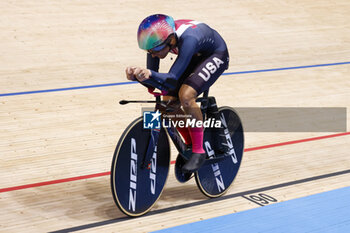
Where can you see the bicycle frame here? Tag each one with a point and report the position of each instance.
(172, 132)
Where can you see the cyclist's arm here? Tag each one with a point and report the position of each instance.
(186, 51)
(152, 62)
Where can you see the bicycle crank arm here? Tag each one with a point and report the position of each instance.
(217, 159)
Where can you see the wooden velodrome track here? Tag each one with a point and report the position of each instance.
(56, 146)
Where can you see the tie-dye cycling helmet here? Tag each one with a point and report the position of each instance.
(154, 31)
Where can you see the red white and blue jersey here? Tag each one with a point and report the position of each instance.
(193, 38)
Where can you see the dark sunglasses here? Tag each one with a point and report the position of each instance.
(158, 48)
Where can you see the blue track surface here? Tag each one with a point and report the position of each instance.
(324, 212)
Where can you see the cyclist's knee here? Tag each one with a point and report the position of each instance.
(187, 96)
(187, 100)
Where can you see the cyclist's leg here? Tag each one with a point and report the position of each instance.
(187, 97)
(204, 75)
(174, 94)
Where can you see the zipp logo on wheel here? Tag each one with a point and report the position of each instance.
(153, 169)
(133, 176)
(232, 151)
(215, 167)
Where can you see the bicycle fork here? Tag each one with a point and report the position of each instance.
(149, 159)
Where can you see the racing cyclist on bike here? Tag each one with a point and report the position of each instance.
(202, 56)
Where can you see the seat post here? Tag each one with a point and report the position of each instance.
(204, 103)
(205, 94)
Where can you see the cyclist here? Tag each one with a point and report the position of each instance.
(202, 56)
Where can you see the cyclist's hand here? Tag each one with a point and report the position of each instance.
(142, 74)
(130, 73)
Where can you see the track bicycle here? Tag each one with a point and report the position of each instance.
(141, 159)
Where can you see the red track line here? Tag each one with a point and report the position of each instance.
(172, 162)
(296, 141)
(54, 182)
